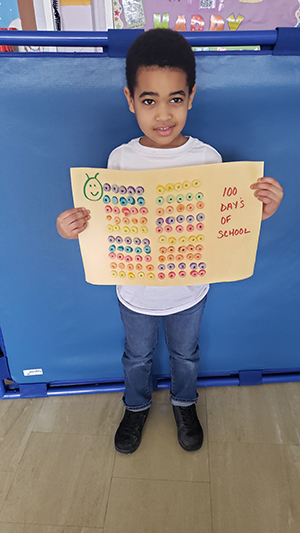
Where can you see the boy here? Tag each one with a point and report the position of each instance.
(160, 72)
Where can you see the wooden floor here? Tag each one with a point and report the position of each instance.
(60, 473)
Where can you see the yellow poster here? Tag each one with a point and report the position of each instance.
(75, 2)
(178, 226)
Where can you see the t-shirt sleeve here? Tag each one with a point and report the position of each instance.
(113, 161)
(212, 155)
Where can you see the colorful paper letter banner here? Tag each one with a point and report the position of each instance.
(178, 226)
(206, 15)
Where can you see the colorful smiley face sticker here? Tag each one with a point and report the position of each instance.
(93, 189)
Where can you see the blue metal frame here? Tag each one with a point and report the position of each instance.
(283, 41)
(10, 390)
(115, 43)
(108, 39)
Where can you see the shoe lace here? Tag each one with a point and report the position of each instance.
(133, 422)
(189, 417)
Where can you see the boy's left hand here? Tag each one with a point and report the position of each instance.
(270, 192)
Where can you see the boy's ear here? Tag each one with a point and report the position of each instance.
(191, 97)
(129, 99)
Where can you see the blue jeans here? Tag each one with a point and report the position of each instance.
(181, 334)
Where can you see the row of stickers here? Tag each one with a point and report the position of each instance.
(207, 15)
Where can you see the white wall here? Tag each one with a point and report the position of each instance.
(95, 17)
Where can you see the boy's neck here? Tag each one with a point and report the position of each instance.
(179, 141)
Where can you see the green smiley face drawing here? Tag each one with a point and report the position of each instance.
(93, 189)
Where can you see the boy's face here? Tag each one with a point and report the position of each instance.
(160, 102)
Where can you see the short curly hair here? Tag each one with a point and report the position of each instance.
(162, 48)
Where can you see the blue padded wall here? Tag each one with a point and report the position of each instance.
(60, 111)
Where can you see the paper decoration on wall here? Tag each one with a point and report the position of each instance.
(134, 13)
(179, 226)
(75, 2)
(118, 24)
(297, 14)
(207, 15)
(9, 12)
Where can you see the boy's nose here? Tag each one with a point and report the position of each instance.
(163, 113)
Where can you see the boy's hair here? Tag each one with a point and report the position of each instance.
(162, 48)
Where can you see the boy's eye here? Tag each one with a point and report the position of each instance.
(176, 100)
(148, 101)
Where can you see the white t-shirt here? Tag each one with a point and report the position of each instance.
(135, 156)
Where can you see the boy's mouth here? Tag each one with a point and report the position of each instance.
(164, 130)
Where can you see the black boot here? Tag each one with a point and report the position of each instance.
(190, 434)
(129, 432)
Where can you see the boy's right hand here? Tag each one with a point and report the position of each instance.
(72, 222)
